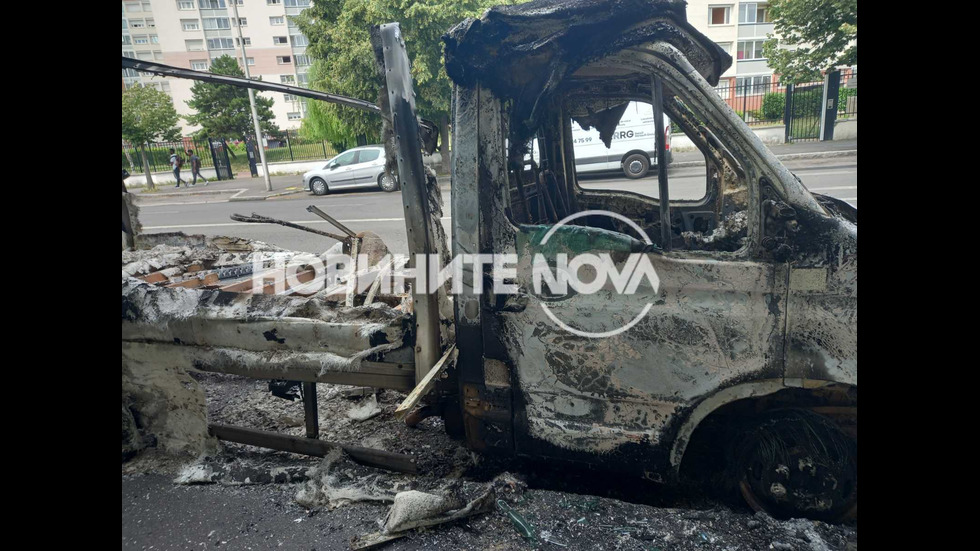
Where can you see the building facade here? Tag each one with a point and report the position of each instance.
(740, 28)
(190, 33)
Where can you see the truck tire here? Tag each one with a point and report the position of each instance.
(636, 165)
(796, 463)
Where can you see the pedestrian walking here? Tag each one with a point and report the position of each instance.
(195, 167)
(176, 161)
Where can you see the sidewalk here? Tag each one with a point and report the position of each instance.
(239, 189)
(804, 150)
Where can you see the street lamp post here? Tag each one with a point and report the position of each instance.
(251, 99)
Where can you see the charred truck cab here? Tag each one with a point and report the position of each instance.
(754, 322)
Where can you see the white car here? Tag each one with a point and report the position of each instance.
(360, 167)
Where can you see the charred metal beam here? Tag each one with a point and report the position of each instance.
(332, 220)
(658, 124)
(311, 415)
(259, 219)
(398, 462)
(178, 72)
(412, 177)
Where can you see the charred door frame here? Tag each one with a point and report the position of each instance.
(481, 225)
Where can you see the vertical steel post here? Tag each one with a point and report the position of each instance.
(289, 146)
(415, 196)
(788, 113)
(251, 101)
(658, 123)
(310, 413)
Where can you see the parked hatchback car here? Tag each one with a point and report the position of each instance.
(355, 168)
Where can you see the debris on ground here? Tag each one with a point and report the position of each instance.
(366, 409)
(333, 490)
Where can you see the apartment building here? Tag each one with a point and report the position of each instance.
(190, 33)
(740, 28)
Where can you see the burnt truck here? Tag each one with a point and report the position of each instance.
(741, 361)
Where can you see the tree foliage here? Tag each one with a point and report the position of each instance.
(344, 62)
(815, 36)
(223, 110)
(148, 115)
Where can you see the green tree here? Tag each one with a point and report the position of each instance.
(148, 115)
(223, 110)
(344, 61)
(820, 35)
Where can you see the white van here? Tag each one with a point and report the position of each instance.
(632, 150)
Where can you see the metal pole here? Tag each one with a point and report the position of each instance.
(251, 101)
(310, 410)
(658, 123)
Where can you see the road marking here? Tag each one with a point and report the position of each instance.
(229, 224)
(831, 188)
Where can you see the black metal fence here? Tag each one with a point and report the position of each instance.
(847, 105)
(158, 154)
(294, 148)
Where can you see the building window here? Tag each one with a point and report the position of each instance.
(302, 60)
(137, 24)
(719, 15)
(127, 40)
(154, 39)
(303, 79)
(294, 116)
(147, 7)
(287, 79)
(727, 46)
(250, 61)
(142, 39)
(750, 49)
(284, 59)
(240, 22)
(288, 97)
(298, 40)
(199, 65)
(220, 44)
(277, 20)
(185, 5)
(212, 23)
(279, 40)
(212, 4)
(190, 24)
(128, 53)
(158, 55)
(125, 26)
(146, 56)
(151, 23)
(133, 7)
(194, 45)
(752, 86)
(753, 13)
(273, 2)
(248, 41)
(297, 3)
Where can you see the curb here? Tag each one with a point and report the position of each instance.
(186, 193)
(785, 157)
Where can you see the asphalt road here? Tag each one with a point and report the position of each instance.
(382, 212)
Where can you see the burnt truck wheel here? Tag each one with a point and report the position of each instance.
(636, 166)
(387, 183)
(318, 186)
(796, 463)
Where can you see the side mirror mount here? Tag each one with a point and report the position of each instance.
(332, 165)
